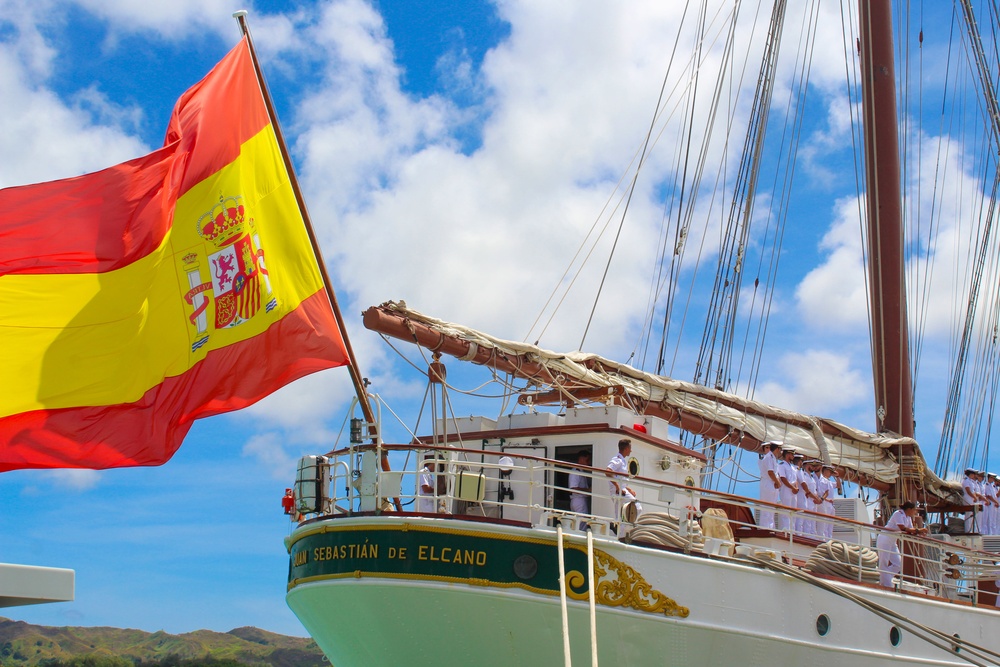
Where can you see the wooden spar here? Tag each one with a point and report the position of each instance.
(359, 386)
(890, 337)
(378, 319)
(571, 396)
(384, 321)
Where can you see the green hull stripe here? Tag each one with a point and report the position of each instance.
(417, 552)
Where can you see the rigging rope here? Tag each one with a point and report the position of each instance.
(591, 594)
(938, 638)
(567, 656)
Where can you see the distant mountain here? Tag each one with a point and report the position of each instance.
(22, 644)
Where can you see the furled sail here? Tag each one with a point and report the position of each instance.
(715, 414)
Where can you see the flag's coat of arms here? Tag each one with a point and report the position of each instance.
(228, 269)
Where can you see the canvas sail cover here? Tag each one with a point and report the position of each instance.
(872, 455)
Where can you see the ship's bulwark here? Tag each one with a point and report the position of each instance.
(384, 592)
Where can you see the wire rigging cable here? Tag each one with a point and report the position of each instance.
(972, 388)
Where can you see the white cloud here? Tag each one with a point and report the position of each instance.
(268, 448)
(833, 295)
(816, 382)
(46, 137)
(303, 406)
(74, 478)
(390, 187)
(174, 19)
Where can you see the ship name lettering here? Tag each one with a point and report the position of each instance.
(399, 553)
(345, 551)
(450, 555)
(301, 558)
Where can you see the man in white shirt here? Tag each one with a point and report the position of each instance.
(972, 497)
(769, 483)
(789, 487)
(991, 524)
(889, 561)
(816, 488)
(801, 495)
(426, 502)
(621, 494)
(829, 492)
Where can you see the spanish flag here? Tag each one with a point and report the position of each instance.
(168, 288)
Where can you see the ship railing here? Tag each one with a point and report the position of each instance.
(529, 490)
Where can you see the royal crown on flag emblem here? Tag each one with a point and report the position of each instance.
(225, 222)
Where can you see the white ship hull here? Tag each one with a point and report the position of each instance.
(697, 611)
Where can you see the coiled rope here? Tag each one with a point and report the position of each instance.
(842, 559)
(667, 530)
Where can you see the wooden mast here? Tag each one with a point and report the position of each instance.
(887, 283)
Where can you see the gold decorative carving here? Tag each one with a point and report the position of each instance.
(626, 588)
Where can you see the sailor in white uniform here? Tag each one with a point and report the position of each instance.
(889, 560)
(815, 488)
(769, 483)
(981, 490)
(789, 488)
(828, 494)
(621, 494)
(801, 495)
(426, 502)
(807, 491)
(972, 497)
(992, 510)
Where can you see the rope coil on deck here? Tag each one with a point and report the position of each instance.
(842, 559)
(665, 530)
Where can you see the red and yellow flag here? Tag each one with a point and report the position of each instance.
(171, 287)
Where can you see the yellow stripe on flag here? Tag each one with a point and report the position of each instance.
(104, 339)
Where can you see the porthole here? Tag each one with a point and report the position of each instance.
(823, 625)
(895, 636)
(633, 466)
(957, 646)
(525, 567)
(689, 481)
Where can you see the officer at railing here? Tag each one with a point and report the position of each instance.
(426, 500)
(889, 560)
(621, 495)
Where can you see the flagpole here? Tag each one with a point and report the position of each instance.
(359, 383)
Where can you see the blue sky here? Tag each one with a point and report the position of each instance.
(453, 154)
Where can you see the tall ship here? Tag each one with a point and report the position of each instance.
(587, 521)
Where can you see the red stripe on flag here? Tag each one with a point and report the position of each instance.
(89, 224)
(149, 431)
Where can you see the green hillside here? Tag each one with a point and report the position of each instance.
(23, 645)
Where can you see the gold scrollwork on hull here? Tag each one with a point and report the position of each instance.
(627, 588)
